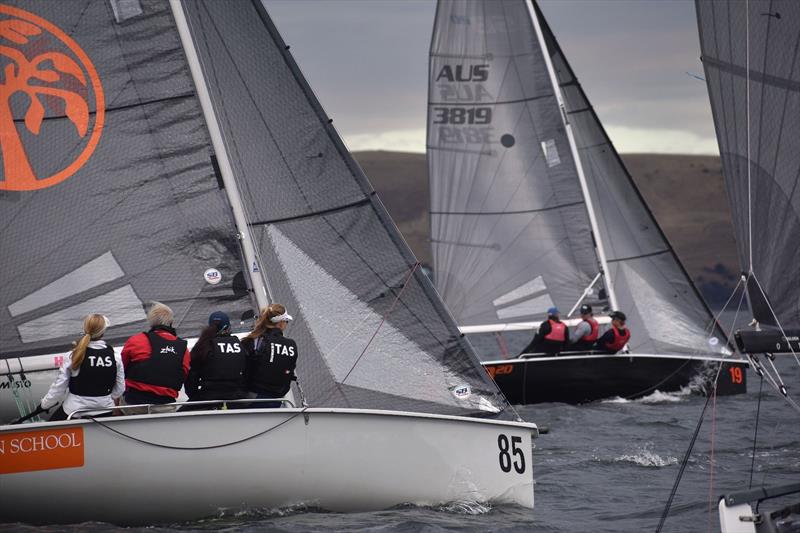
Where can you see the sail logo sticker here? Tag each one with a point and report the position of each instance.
(212, 276)
(462, 392)
(27, 451)
(45, 71)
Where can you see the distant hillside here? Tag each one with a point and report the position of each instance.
(685, 193)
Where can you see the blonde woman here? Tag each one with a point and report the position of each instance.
(91, 377)
(272, 357)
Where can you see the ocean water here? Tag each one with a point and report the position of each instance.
(603, 467)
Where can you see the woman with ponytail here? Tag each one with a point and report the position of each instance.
(271, 357)
(91, 377)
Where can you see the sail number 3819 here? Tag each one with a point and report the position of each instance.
(511, 454)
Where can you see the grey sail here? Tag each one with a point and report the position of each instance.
(108, 194)
(372, 331)
(761, 165)
(509, 227)
(665, 311)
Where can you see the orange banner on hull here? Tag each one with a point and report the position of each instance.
(45, 449)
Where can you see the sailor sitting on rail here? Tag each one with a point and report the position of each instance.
(552, 337)
(617, 336)
(272, 357)
(156, 364)
(217, 370)
(583, 336)
(91, 377)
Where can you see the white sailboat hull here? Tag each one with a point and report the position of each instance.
(186, 466)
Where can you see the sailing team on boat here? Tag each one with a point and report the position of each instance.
(156, 364)
(554, 336)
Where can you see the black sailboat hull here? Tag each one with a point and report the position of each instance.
(584, 378)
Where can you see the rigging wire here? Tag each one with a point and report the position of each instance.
(755, 431)
(749, 163)
(711, 459)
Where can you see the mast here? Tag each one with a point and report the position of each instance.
(260, 287)
(612, 297)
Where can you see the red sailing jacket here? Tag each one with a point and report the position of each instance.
(558, 331)
(620, 339)
(137, 348)
(593, 333)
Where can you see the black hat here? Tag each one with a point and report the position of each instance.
(619, 315)
(221, 320)
(586, 309)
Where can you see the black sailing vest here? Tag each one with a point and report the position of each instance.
(164, 367)
(272, 363)
(223, 371)
(97, 375)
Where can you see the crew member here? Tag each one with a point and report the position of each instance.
(218, 363)
(586, 333)
(272, 357)
(91, 377)
(617, 336)
(156, 363)
(552, 337)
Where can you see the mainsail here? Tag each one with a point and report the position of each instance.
(664, 308)
(108, 194)
(666, 313)
(750, 53)
(509, 227)
(145, 215)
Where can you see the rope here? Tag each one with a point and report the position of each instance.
(711, 463)
(383, 319)
(682, 468)
(749, 164)
(213, 446)
(755, 432)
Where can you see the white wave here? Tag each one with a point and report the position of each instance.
(466, 508)
(645, 456)
(655, 397)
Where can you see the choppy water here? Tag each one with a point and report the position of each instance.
(604, 467)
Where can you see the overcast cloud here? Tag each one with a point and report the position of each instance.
(367, 62)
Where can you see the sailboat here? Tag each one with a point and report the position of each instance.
(173, 150)
(749, 54)
(532, 207)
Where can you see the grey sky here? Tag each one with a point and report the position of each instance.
(367, 62)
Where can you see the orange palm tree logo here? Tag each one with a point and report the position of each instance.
(45, 65)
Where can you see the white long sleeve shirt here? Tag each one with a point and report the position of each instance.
(579, 331)
(72, 402)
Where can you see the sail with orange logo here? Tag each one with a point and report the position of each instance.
(108, 191)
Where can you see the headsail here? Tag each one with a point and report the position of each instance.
(665, 310)
(372, 329)
(108, 194)
(509, 228)
(750, 55)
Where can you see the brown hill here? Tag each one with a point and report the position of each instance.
(684, 192)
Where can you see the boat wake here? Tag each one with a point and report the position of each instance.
(656, 397)
(465, 508)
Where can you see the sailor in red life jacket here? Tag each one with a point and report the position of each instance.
(156, 363)
(617, 336)
(584, 335)
(552, 337)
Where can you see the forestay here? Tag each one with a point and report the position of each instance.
(509, 227)
(665, 311)
(108, 195)
(756, 121)
(372, 330)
